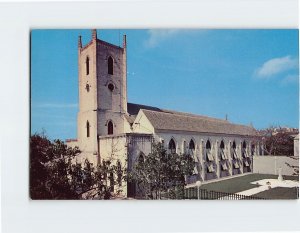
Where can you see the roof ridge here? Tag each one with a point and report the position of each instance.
(196, 115)
(189, 115)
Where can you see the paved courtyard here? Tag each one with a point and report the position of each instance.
(259, 185)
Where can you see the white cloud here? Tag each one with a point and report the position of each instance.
(276, 66)
(54, 105)
(158, 35)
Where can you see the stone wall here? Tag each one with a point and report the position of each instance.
(214, 168)
(271, 164)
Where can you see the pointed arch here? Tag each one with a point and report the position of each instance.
(222, 148)
(87, 65)
(222, 145)
(252, 148)
(209, 156)
(110, 128)
(233, 145)
(244, 144)
(87, 129)
(172, 146)
(110, 65)
(191, 147)
(141, 159)
(208, 145)
(233, 149)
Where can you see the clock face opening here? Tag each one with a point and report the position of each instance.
(111, 87)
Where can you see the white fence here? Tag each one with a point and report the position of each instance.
(271, 164)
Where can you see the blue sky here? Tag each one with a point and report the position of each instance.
(250, 75)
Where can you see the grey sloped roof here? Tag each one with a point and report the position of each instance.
(163, 119)
(192, 123)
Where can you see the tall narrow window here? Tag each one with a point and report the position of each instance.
(208, 146)
(234, 155)
(87, 129)
(252, 149)
(110, 128)
(209, 156)
(244, 151)
(222, 153)
(172, 146)
(87, 65)
(141, 159)
(191, 147)
(233, 145)
(110, 65)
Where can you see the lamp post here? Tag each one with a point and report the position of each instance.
(198, 184)
(280, 178)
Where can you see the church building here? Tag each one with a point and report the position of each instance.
(110, 127)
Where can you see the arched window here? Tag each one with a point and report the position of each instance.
(172, 146)
(110, 128)
(222, 153)
(141, 159)
(191, 147)
(87, 87)
(233, 145)
(87, 65)
(244, 145)
(87, 129)
(222, 146)
(234, 155)
(252, 149)
(244, 152)
(208, 146)
(110, 62)
(209, 156)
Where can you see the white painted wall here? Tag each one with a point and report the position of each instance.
(271, 164)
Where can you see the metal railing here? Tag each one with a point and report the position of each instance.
(192, 194)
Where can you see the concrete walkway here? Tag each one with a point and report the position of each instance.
(267, 184)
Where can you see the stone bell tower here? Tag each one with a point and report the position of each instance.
(102, 92)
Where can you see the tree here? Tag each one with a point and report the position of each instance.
(161, 172)
(50, 164)
(54, 174)
(277, 141)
